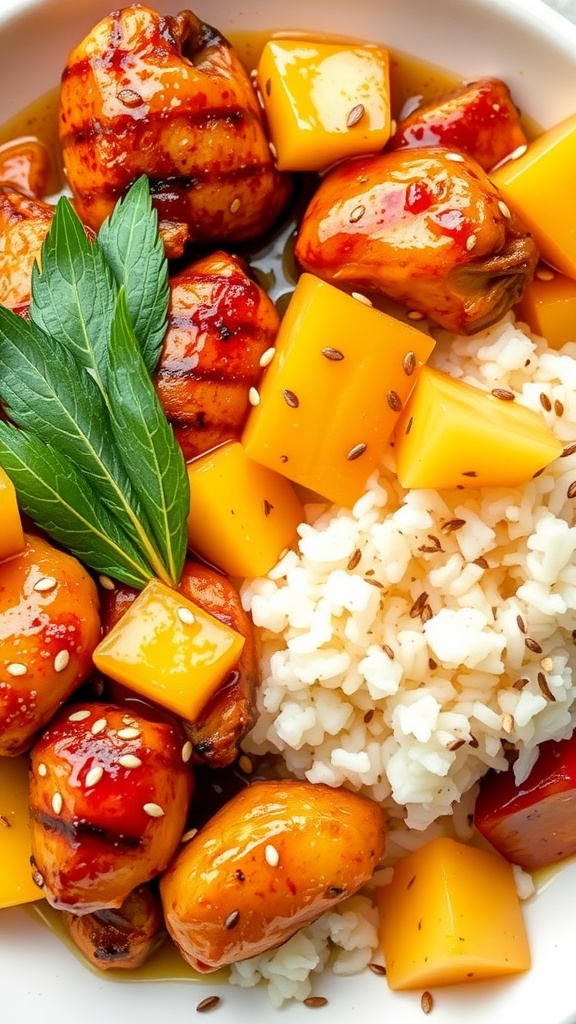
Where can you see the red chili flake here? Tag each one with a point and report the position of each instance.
(481, 562)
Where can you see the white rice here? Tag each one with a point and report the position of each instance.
(359, 689)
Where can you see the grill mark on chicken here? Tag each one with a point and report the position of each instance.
(78, 830)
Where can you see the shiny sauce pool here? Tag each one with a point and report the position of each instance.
(272, 262)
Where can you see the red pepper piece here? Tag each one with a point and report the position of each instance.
(533, 824)
(478, 118)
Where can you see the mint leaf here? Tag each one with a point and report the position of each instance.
(135, 253)
(74, 294)
(48, 393)
(58, 499)
(152, 456)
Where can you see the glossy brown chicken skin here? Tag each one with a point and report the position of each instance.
(49, 627)
(220, 324)
(273, 859)
(424, 227)
(479, 118)
(109, 795)
(121, 938)
(168, 97)
(24, 224)
(217, 733)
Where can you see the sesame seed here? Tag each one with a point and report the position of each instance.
(57, 803)
(235, 205)
(186, 615)
(153, 810)
(99, 726)
(544, 274)
(504, 210)
(232, 920)
(189, 835)
(15, 668)
(61, 661)
(106, 583)
(271, 855)
(273, 150)
(394, 401)
(334, 354)
(456, 157)
(245, 764)
(519, 151)
(471, 242)
(290, 398)
(45, 583)
(409, 364)
(129, 761)
(130, 733)
(355, 115)
(42, 770)
(186, 752)
(207, 1004)
(93, 776)
(356, 451)
(254, 396)
(357, 214)
(415, 314)
(267, 357)
(79, 716)
(426, 1002)
(361, 298)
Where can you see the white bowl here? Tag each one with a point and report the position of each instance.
(534, 50)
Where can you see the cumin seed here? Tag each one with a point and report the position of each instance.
(571, 492)
(355, 115)
(356, 451)
(232, 920)
(388, 651)
(545, 401)
(377, 969)
(315, 1001)
(503, 394)
(570, 449)
(290, 398)
(210, 1003)
(543, 684)
(533, 645)
(521, 624)
(394, 401)
(558, 407)
(409, 364)
(451, 525)
(354, 559)
(333, 354)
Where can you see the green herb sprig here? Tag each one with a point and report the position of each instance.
(89, 450)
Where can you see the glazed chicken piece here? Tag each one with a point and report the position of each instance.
(424, 227)
(49, 627)
(24, 224)
(479, 118)
(121, 938)
(216, 735)
(270, 861)
(25, 166)
(220, 324)
(109, 795)
(168, 97)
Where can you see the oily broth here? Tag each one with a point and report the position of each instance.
(272, 261)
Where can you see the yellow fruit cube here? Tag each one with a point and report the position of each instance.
(324, 102)
(12, 535)
(16, 885)
(548, 306)
(451, 434)
(539, 187)
(451, 914)
(242, 515)
(169, 651)
(331, 397)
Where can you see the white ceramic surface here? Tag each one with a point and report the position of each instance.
(534, 49)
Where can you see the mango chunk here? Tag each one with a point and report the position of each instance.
(451, 434)
(169, 650)
(451, 914)
(12, 535)
(16, 885)
(539, 187)
(548, 306)
(331, 397)
(324, 102)
(242, 515)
